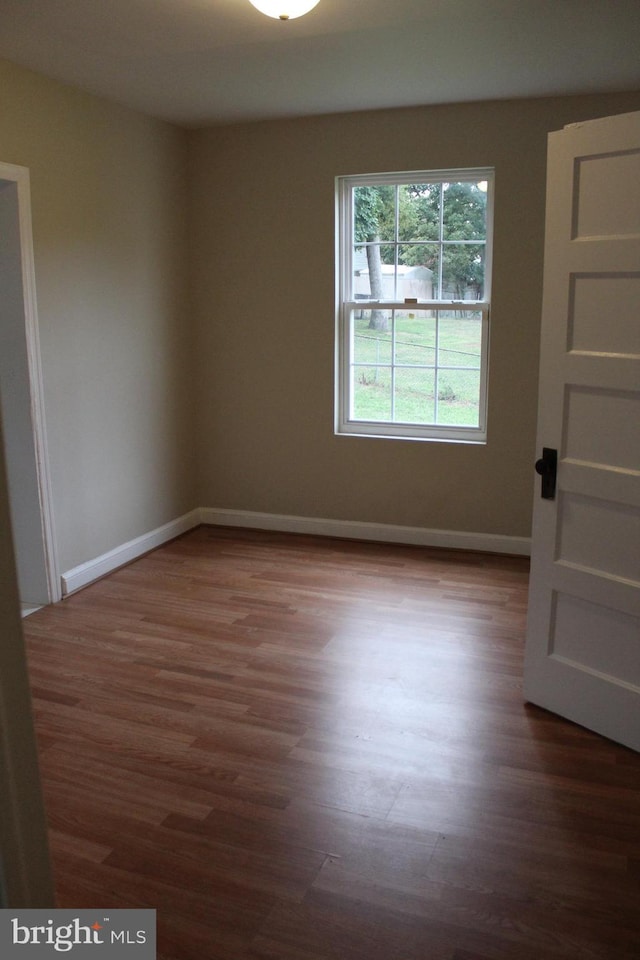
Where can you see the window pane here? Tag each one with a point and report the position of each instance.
(419, 211)
(415, 338)
(417, 354)
(463, 271)
(458, 397)
(374, 213)
(465, 211)
(414, 395)
(459, 338)
(371, 393)
(371, 330)
(418, 271)
(374, 272)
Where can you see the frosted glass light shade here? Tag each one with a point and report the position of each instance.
(284, 9)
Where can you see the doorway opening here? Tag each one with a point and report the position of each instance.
(21, 399)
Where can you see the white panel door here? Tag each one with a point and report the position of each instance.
(583, 632)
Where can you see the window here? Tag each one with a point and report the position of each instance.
(414, 256)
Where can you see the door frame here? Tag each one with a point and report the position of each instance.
(25, 869)
(20, 176)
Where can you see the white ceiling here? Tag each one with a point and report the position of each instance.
(197, 62)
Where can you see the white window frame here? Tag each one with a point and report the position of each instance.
(345, 423)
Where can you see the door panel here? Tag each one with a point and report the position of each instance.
(577, 635)
(597, 534)
(603, 315)
(603, 204)
(583, 635)
(603, 427)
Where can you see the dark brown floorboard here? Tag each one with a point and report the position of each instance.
(308, 749)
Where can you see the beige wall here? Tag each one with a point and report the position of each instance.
(263, 245)
(164, 391)
(109, 226)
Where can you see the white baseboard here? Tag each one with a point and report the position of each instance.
(92, 570)
(357, 530)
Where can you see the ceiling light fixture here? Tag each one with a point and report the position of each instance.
(284, 9)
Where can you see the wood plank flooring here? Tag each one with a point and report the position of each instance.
(307, 749)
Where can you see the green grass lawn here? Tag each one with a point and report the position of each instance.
(416, 387)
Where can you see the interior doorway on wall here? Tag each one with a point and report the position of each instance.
(21, 398)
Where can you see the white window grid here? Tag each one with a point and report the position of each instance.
(347, 305)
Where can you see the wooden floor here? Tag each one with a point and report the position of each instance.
(308, 749)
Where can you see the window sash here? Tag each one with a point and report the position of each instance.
(345, 213)
(347, 423)
(418, 305)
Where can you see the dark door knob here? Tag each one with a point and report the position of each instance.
(547, 467)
